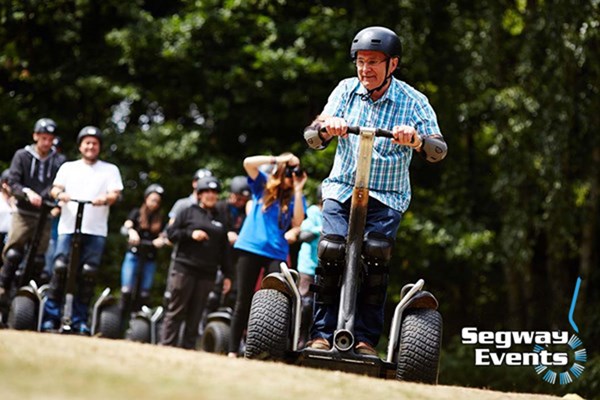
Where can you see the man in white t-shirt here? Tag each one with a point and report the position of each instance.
(90, 179)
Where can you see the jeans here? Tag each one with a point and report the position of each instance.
(91, 250)
(129, 271)
(368, 323)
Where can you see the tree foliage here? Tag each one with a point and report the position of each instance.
(500, 230)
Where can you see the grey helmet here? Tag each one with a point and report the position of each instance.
(5, 175)
(208, 183)
(45, 125)
(154, 188)
(239, 185)
(89, 131)
(377, 38)
(201, 173)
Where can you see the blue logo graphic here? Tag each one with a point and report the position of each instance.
(576, 348)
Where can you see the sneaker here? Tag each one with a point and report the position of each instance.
(365, 349)
(49, 326)
(82, 329)
(318, 344)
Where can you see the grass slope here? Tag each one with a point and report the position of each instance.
(44, 366)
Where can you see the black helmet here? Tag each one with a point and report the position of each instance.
(45, 125)
(89, 131)
(239, 185)
(201, 173)
(208, 183)
(154, 188)
(377, 38)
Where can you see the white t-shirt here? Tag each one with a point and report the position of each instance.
(86, 182)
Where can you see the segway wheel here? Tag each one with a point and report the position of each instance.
(215, 338)
(23, 314)
(139, 330)
(420, 345)
(110, 322)
(268, 325)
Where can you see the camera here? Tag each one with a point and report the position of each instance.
(293, 170)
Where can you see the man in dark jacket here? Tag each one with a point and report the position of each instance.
(201, 248)
(32, 172)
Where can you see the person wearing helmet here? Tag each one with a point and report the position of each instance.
(234, 207)
(144, 231)
(202, 248)
(374, 98)
(185, 202)
(32, 171)
(92, 179)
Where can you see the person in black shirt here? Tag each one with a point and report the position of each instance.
(32, 171)
(201, 248)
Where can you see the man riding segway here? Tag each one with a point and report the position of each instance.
(99, 183)
(365, 196)
(32, 171)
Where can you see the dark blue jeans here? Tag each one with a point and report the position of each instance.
(91, 250)
(368, 323)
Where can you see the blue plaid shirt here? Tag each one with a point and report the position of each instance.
(389, 181)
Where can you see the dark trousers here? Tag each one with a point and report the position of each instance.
(368, 317)
(248, 269)
(187, 301)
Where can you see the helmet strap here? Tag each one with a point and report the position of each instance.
(367, 95)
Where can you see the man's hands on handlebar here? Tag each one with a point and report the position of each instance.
(33, 198)
(404, 135)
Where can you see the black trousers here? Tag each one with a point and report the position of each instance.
(186, 304)
(247, 269)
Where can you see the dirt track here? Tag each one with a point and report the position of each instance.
(48, 366)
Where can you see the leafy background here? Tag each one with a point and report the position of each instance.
(500, 230)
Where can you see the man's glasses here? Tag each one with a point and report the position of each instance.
(368, 63)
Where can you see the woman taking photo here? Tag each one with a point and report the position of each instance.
(277, 205)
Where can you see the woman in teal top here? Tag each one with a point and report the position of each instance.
(278, 204)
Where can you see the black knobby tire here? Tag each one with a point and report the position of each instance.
(110, 322)
(139, 330)
(419, 346)
(23, 314)
(215, 338)
(268, 325)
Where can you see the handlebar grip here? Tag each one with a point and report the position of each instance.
(355, 130)
(81, 201)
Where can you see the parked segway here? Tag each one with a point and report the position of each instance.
(142, 320)
(105, 315)
(26, 304)
(416, 332)
(216, 320)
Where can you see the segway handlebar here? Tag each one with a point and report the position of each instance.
(81, 201)
(45, 202)
(314, 138)
(355, 130)
(433, 147)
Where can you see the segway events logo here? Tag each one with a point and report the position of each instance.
(556, 356)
